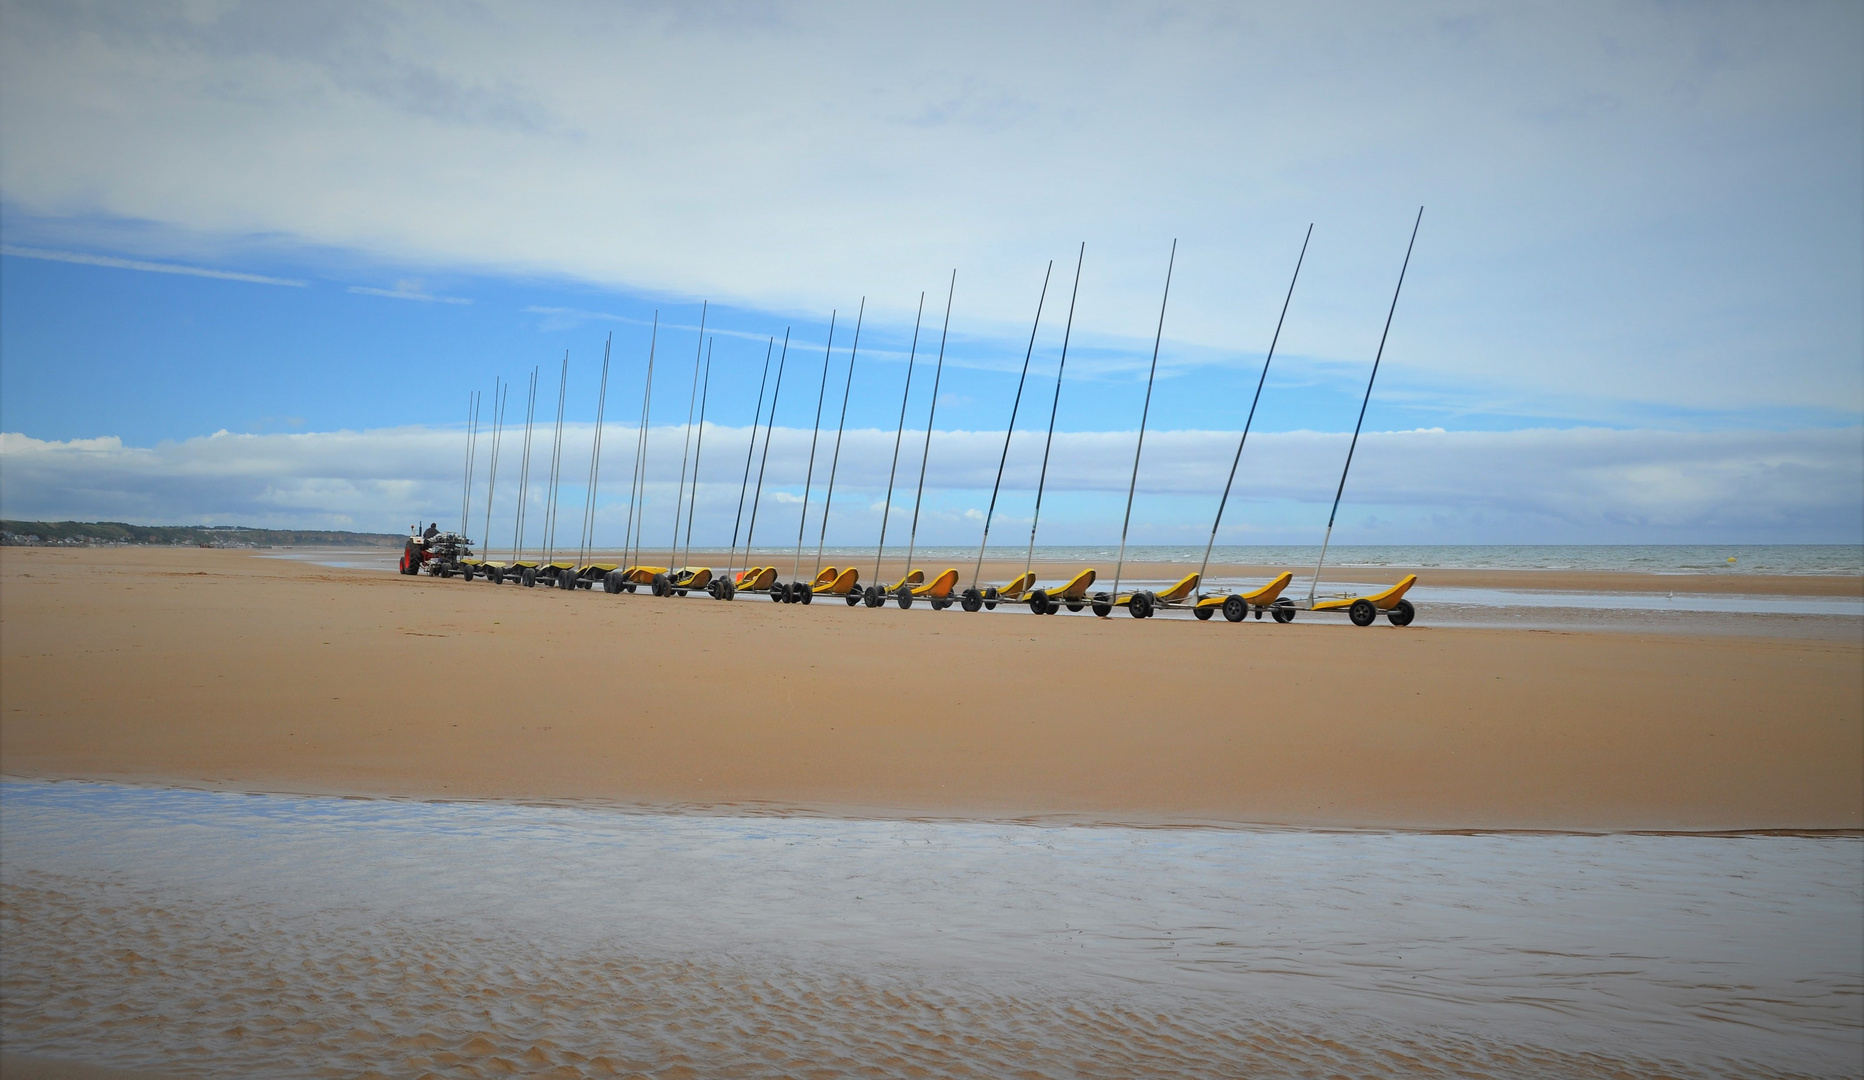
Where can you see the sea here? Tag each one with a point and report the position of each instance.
(231, 935)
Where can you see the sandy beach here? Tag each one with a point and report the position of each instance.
(226, 670)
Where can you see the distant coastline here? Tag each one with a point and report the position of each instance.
(119, 533)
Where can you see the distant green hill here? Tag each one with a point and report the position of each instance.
(118, 532)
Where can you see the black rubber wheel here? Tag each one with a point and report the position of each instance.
(627, 586)
(727, 589)
(972, 600)
(1284, 610)
(466, 572)
(566, 580)
(1140, 606)
(779, 592)
(1103, 604)
(1236, 609)
(854, 597)
(1202, 613)
(873, 596)
(527, 577)
(904, 596)
(1362, 612)
(662, 587)
(804, 592)
(1259, 610)
(711, 587)
(1073, 605)
(1402, 614)
(611, 582)
(1039, 601)
(496, 574)
(991, 596)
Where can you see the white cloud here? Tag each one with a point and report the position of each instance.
(1633, 202)
(116, 263)
(407, 290)
(1584, 485)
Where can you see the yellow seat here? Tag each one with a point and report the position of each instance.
(1015, 589)
(643, 575)
(1075, 589)
(840, 586)
(690, 577)
(1179, 591)
(1384, 601)
(827, 575)
(1262, 597)
(913, 578)
(757, 577)
(939, 587)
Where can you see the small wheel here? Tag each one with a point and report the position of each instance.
(991, 596)
(1103, 604)
(1284, 610)
(854, 597)
(1140, 606)
(804, 593)
(566, 580)
(1402, 614)
(611, 581)
(496, 573)
(1039, 601)
(727, 589)
(528, 577)
(466, 572)
(1362, 612)
(972, 600)
(1259, 610)
(904, 596)
(873, 596)
(1202, 613)
(779, 592)
(1236, 609)
(1073, 605)
(627, 586)
(711, 587)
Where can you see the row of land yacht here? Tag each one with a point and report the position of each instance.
(450, 554)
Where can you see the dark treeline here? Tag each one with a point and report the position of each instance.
(119, 532)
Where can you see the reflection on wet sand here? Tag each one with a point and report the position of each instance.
(220, 934)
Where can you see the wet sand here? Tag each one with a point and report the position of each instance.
(224, 670)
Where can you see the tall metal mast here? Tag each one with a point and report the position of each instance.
(630, 554)
(1133, 485)
(500, 391)
(809, 478)
(938, 372)
(1011, 430)
(524, 472)
(757, 496)
(1354, 445)
(1251, 419)
(472, 444)
(587, 537)
(1054, 407)
(750, 448)
(898, 434)
(556, 466)
(692, 504)
(835, 461)
(680, 497)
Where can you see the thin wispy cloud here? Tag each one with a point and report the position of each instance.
(116, 263)
(406, 292)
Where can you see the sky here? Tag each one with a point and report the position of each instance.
(255, 258)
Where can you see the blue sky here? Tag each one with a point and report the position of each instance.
(1641, 222)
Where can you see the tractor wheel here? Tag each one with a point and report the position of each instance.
(1402, 614)
(1140, 606)
(1202, 613)
(972, 600)
(1236, 609)
(1039, 601)
(1362, 612)
(1103, 604)
(904, 596)
(528, 577)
